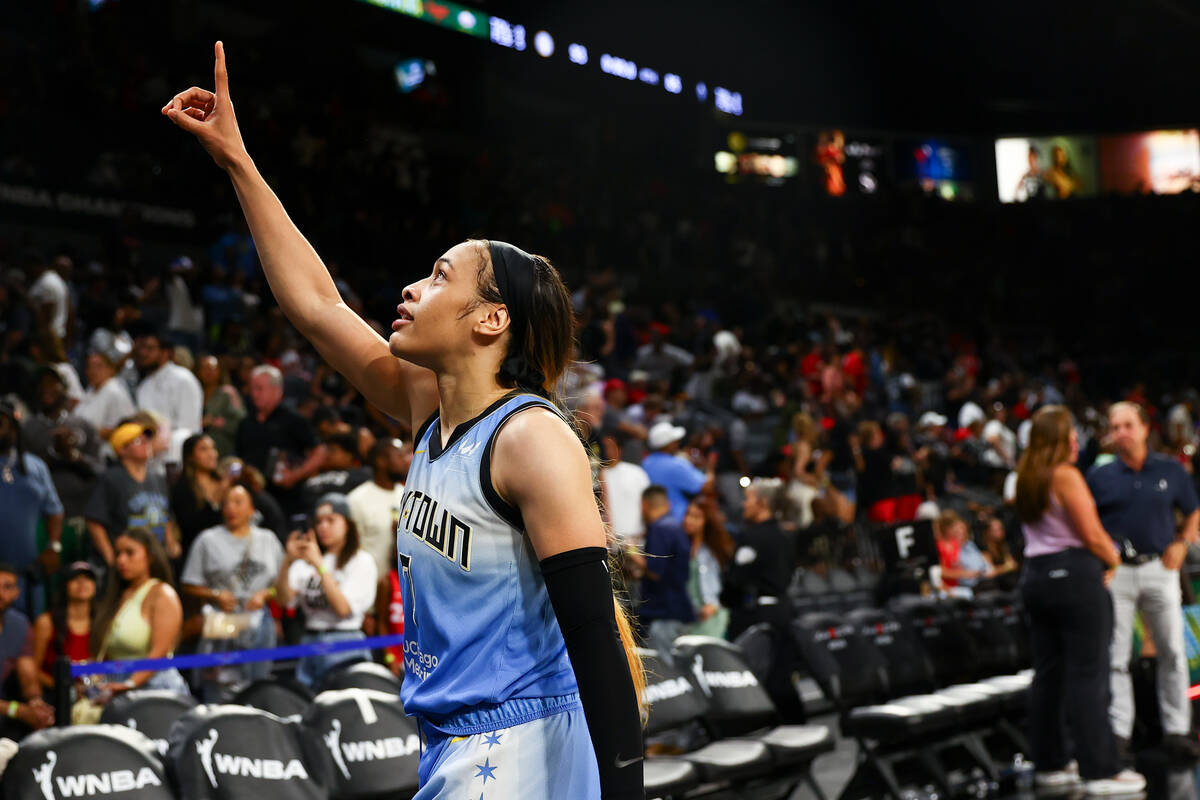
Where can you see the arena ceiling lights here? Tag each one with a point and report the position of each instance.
(515, 37)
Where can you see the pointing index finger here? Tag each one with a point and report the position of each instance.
(219, 73)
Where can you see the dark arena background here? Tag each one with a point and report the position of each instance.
(834, 269)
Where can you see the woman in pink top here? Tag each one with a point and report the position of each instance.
(1067, 552)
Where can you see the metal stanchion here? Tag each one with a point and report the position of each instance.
(62, 691)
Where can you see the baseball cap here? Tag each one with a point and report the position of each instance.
(337, 502)
(663, 433)
(127, 432)
(931, 419)
(82, 568)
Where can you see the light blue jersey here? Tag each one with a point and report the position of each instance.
(480, 633)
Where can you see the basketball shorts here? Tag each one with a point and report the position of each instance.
(550, 758)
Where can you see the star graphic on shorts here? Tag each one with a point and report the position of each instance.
(492, 739)
(486, 770)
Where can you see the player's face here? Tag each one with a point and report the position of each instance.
(439, 313)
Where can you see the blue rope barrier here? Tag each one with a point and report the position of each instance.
(233, 656)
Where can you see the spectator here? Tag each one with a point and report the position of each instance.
(389, 615)
(139, 617)
(48, 293)
(67, 443)
(232, 569)
(666, 609)
(375, 504)
(1138, 495)
(711, 552)
(28, 496)
(755, 584)
(677, 477)
(267, 513)
(166, 388)
(106, 401)
(874, 461)
(196, 495)
(623, 484)
(223, 407)
(18, 671)
(963, 563)
(185, 321)
(277, 441)
(66, 629)
(341, 470)
(997, 554)
(1001, 439)
(1066, 553)
(131, 495)
(334, 581)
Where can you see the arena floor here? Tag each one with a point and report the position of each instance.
(833, 771)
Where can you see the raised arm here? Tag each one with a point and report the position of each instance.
(297, 276)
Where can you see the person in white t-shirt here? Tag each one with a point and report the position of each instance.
(375, 505)
(332, 579)
(1001, 438)
(107, 400)
(50, 292)
(623, 486)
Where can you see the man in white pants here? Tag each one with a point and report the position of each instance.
(1137, 495)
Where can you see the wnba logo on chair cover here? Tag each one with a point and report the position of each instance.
(271, 769)
(729, 679)
(371, 750)
(90, 784)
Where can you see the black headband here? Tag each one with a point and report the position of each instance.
(516, 274)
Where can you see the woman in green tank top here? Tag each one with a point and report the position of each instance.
(139, 617)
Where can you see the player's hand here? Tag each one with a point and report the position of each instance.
(209, 116)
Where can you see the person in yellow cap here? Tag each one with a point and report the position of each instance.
(130, 494)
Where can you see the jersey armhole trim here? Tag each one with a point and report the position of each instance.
(506, 510)
(424, 427)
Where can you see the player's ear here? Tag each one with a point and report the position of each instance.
(493, 319)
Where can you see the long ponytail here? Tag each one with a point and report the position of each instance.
(544, 350)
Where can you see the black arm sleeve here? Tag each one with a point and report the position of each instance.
(581, 592)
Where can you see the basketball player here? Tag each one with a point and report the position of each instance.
(518, 665)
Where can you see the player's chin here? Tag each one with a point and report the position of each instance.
(396, 344)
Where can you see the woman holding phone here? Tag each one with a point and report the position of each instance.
(333, 580)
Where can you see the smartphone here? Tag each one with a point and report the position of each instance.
(299, 522)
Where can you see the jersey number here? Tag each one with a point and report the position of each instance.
(406, 570)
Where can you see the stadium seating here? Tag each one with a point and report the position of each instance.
(374, 746)
(149, 711)
(363, 675)
(230, 752)
(283, 697)
(86, 761)
(767, 765)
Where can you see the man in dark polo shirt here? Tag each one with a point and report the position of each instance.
(1137, 494)
(277, 441)
(666, 607)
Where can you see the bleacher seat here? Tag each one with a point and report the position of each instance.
(86, 761)
(892, 729)
(374, 746)
(228, 752)
(363, 675)
(676, 704)
(738, 705)
(152, 712)
(283, 697)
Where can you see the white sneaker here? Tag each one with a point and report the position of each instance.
(1124, 782)
(1068, 776)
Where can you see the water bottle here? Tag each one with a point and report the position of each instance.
(1022, 773)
